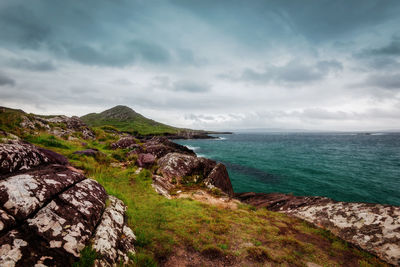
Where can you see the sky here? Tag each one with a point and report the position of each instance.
(210, 64)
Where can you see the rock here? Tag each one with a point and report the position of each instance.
(219, 178)
(88, 152)
(277, 201)
(161, 146)
(18, 156)
(22, 194)
(180, 167)
(54, 157)
(145, 160)
(162, 185)
(58, 125)
(71, 125)
(49, 212)
(372, 227)
(125, 142)
(113, 238)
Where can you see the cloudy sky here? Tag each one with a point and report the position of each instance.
(212, 64)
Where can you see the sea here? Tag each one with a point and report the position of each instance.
(351, 167)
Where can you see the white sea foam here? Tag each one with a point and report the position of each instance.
(194, 148)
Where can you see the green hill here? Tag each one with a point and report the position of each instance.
(127, 120)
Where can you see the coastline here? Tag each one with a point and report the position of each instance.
(370, 226)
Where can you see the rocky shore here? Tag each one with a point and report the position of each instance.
(372, 227)
(49, 211)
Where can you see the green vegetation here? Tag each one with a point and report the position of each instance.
(88, 256)
(163, 226)
(126, 120)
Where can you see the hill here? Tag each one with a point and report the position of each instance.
(127, 120)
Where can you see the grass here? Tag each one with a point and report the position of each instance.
(162, 225)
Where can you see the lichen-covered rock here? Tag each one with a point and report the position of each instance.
(71, 125)
(125, 142)
(22, 194)
(373, 227)
(162, 185)
(68, 221)
(18, 156)
(178, 167)
(146, 160)
(6, 221)
(161, 146)
(113, 240)
(49, 212)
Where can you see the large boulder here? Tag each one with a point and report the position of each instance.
(160, 146)
(124, 142)
(17, 156)
(49, 212)
(180, 169)
(373, 227)
(146, 160)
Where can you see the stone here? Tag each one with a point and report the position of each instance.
(123, 143)
(49, 212)
(146, 160)
(113, 239)
(161, 146)
(176, 166)
(219, 178)
(372, 227)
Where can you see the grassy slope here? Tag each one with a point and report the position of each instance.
(251, 237)
(127, 120)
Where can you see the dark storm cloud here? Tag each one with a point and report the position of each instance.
(316, 20)
(293, 72)
(21, 26)
(5, 80)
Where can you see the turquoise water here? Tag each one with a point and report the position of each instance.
(344, 167)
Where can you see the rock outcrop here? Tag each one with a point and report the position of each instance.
(161, 146)
(146, 160)
(373, 227)
(125, 142)
(179, 168)
(61, 126)
(49, 212)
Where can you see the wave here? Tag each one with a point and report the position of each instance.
(194, 148)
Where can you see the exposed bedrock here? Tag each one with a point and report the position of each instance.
(49, 212)
(373, 227)
(58, 125)
(178, 168)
